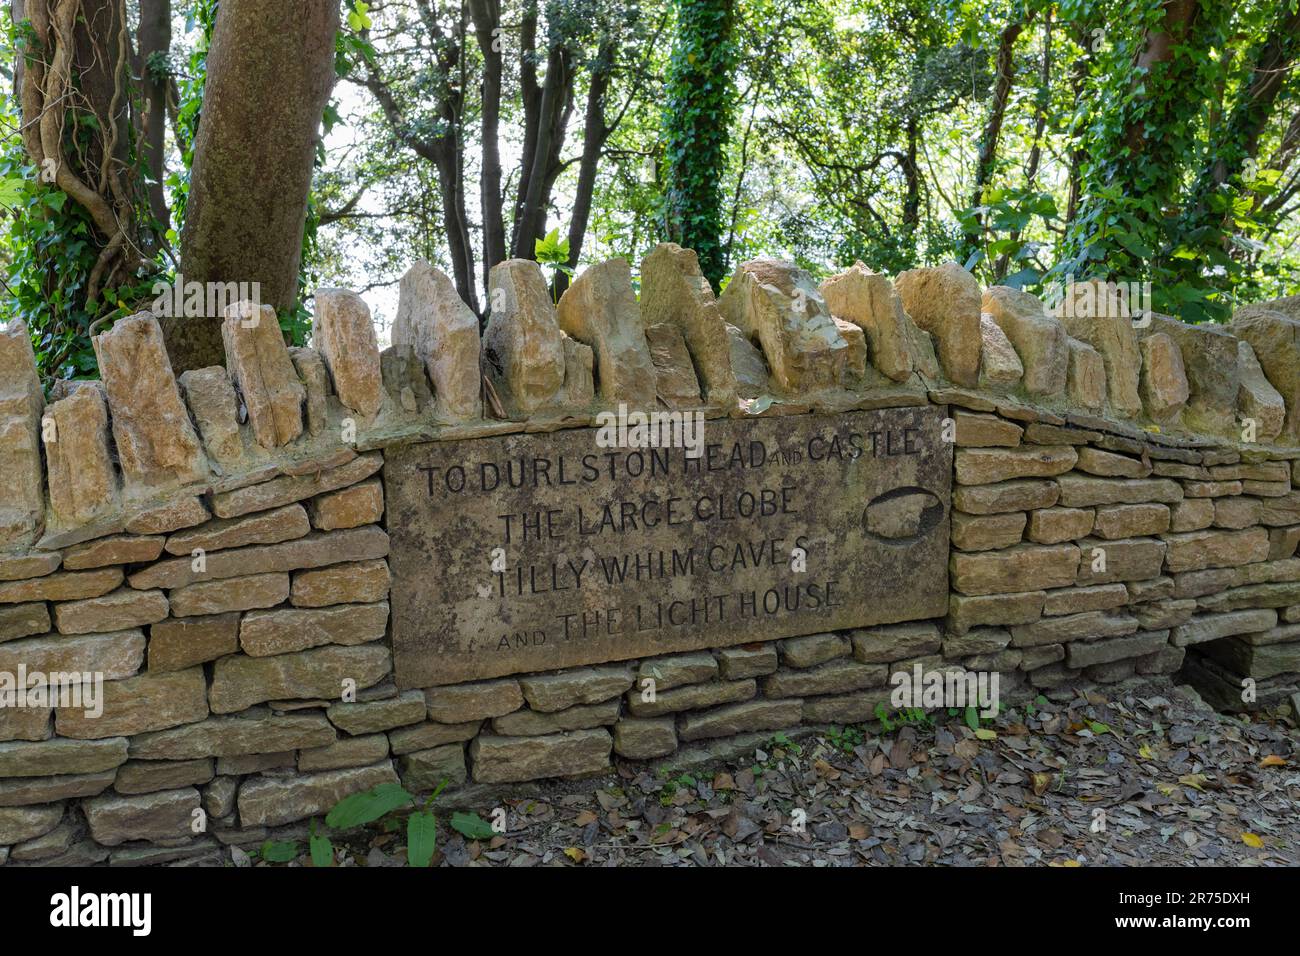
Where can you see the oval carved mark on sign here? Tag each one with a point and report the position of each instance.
(902, 515)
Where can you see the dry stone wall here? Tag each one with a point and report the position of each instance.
(1116, 500)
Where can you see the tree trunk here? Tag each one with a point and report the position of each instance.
(155, 37)
(269, 74)
(594, 134)
(542, 164)
(487, 19)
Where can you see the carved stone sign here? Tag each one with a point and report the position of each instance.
(536, 551)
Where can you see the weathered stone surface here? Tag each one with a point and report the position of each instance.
(404, 379)
(869, 301)
(691, 697)
(426, 770)
(742, 718)
(1107, 464)
(675, 379)
(1282, 543)
(737, 663)
(118, 549)
(150, 701)
(450, 614)
(813, 649)
(118, 611)
(156, 444)
(364, 582)
(523, 354)
(178, 644)
(349, 507)
(1237, 513)
(1164, 379)
(1211, 627)
(1260, 661)
(313, 551)
(511, 759)
(267, 527)
(23, 620)
(27, 791)
(643, 739)
(833, 677)
(274, 801)
(982, 431)
(675, 292)
(1018, 608)
(1019, 495)
(114, 655)
(1085, 376)
(777, 305)
(264, 633)
(1213, 377)
(1039, 339)
(1000, 367)
(167, 517)
(1056, 525)
(853, 708)
(290, 488)
(981, 466)
(466, 702)
(1257, 400)
(945, 301)
(1089, 653)
(600, 310)
(368, 718)
(1096, 313)
(316, 382)
(344, 336)
(230, 594)
(1081, 491)
(259, 732)
(530, 723)
(239, 682)
(83, 484)
(547, 693)
(747, 364)
(150, 776)
(347, 752)
(261, 368)
(987, 532)
(407, 740)
(1123, 559)
(1127, 521)
(1275, 339)
(61, 586)
(1158, 615)
(19, 567)
(57, 757)
(1191, 514)
(443, 330)
(1215, 549)
(1090, 625)
(22, 494)
(18, 824)
(881, 645)
(156, 817)
(1100, 597)
(211, 398)
(579, 374)
(1014, 569)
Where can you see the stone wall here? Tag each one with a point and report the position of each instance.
(215, 547)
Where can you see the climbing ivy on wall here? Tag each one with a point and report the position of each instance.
(697, 119)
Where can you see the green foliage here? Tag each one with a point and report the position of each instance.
(697, 120)
(471, 826)
(553, 251)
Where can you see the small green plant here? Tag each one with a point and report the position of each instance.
(845, 739)
(906, 717)
(553, 251)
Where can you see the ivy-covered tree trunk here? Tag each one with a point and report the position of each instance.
(697, 122)
(270, 71)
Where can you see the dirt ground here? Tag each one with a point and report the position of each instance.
(1135, 774)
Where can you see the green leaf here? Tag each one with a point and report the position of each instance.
(421, 838)
(322, 850)
(368, 806)
(279, 851)
(471, 826)
(972, 718)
